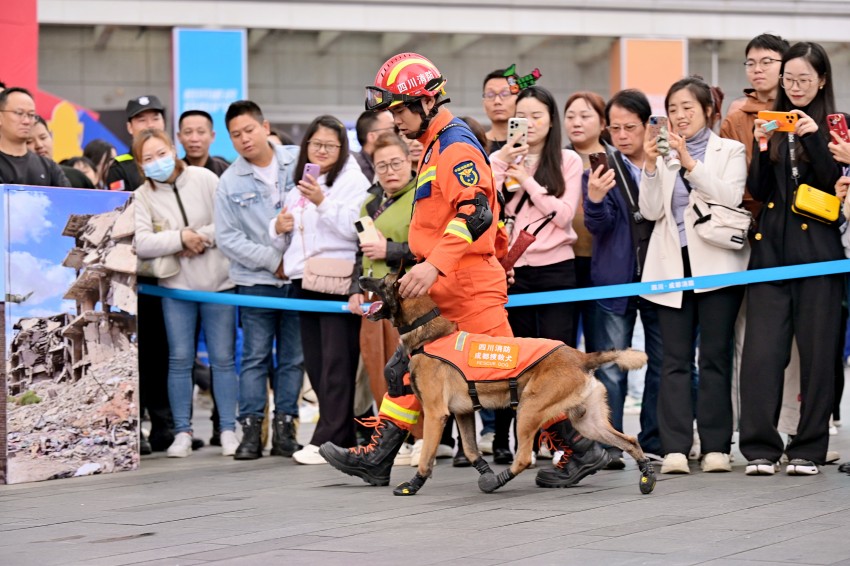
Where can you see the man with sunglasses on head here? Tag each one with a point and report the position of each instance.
(454, 235)
(18, 165)
(499, 105)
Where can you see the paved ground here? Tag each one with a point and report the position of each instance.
(209, 509)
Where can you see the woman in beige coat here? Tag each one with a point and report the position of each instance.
(716, 169)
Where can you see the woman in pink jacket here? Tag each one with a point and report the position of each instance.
(547, 198)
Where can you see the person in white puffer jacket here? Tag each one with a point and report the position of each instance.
(174, 217)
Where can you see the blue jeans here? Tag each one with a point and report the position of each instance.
(488, 421)
(219, 324)
(260, 328)
(614, 332)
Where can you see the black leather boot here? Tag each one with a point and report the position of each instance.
(371, 463)
(582, 457)
(284, 431)
(251, 447)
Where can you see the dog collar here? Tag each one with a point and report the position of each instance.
(422, 320)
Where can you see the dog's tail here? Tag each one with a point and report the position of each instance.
(625, 359)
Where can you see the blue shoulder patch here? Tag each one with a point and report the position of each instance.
(466, 173)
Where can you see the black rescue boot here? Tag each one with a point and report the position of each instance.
(371, 463)
(284, 431)
(582, 457)
(250, 448)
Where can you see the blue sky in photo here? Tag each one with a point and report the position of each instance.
(35, 247)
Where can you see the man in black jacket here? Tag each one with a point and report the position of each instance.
(18, 165)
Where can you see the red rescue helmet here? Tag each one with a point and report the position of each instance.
(403, 78)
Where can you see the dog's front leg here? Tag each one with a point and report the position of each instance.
(433, 430)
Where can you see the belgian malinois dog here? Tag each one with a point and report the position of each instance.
(560, 383)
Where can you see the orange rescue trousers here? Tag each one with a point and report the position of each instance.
(484, 314)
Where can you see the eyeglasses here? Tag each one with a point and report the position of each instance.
(503, 94)
(762, 63)
(328, 147)
(396, 164)
(31, 116)
(804, 84)
(616, 129)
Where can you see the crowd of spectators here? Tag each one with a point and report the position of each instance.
(611, 204)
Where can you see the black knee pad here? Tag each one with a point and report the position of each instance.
(394, 373)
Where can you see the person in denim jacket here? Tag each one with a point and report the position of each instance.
(250, 196)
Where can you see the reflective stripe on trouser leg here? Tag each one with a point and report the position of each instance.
(403, 411)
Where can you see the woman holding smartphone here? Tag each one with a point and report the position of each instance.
(584, 122)
(715, 169)
(318, 222)
(547, 199)
(808, 309)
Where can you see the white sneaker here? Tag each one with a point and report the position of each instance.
(800, 467)
(832, 456)
(485, 443)
(309, 456)
(833, 430)
(403, 456)
(308, 413)
(181, 447)
(229, 443)
(716, 462)
(675, 463)
(415, 452)
(556, 457)
(445, 451)
(696, 448)
(762, 467)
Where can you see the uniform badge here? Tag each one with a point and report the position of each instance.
(466, 173)
(116, 185)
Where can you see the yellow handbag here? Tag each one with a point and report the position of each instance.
(816, 204)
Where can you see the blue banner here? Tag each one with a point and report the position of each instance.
(210, 72)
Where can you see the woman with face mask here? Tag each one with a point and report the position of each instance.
(174, 217)
(808, 309)
(715, 169)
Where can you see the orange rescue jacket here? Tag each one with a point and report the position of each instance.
(483, 358)
(454, 169)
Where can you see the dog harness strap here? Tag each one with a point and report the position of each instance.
(473, 395)
(424, 319)
(512, 383)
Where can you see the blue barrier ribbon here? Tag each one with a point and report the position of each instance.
(530, 299)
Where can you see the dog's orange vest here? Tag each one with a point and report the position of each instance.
(482, 358)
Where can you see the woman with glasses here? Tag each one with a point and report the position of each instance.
(319, 222)
(808, 309)
(388, 204)
(715, 169)
(546, 200)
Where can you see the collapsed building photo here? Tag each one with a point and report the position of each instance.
(72, 377)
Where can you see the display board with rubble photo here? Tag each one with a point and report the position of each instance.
(69, 403)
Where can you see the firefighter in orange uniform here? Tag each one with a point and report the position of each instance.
(454, 234)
